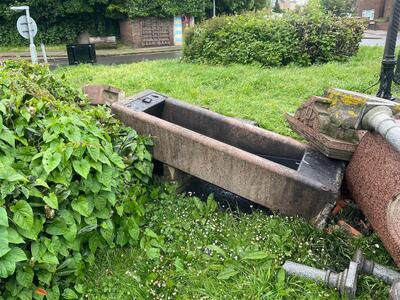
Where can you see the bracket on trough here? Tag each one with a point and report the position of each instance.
(151, 103)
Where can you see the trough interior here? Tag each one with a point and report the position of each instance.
(227, 130)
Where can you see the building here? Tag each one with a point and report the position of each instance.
(154, 31)
(377, 11)
(292, 4)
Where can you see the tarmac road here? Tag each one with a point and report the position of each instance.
(375, 38)
(121, 59)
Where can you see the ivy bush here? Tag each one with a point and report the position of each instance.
(273, 41)
(72, 180)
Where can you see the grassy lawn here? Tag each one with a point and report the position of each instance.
(196, 251)
(260, 94)
(26, 48)
(209, 254)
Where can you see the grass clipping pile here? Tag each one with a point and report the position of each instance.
(72, 180)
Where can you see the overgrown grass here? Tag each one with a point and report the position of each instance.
(251, 92)
(205, 253)
(209, 254)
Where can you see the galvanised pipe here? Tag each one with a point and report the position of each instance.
(370, 267)
(345, 282)
(389, 61)
(395, 291)
(381, 120)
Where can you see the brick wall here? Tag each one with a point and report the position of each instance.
(147, 32)
(125, 28)
(377, 5)
(388, 9)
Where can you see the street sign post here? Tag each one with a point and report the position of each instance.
(27, 28)
(22, 26)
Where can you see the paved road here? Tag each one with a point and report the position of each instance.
(122, 59)
(375, 38)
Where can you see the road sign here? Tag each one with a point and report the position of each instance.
(22, 26)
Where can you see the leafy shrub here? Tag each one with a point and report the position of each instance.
(273, 41)
(72, 180)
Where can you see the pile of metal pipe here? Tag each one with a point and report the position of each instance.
(346, 282)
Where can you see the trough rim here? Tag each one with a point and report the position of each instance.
(224, 147)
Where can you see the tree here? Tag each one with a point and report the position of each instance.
(339, 7)
(231, 7)
(277, 8)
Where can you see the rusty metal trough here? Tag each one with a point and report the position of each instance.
(269, 169)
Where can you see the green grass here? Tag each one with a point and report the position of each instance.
(209, 254)
(177, 260)
(251, 92)
(26, 48)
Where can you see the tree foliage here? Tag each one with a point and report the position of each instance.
(277, 7)
(72, 180)
(237, 6)
(339, 7)
(61, 21)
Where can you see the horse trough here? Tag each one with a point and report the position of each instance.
(274, 171)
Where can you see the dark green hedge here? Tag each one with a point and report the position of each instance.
(273, 41)
(61, 21)
(61, 31)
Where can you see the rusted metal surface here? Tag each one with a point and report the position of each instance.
(266, 168)
(373, 178)
(103, 94)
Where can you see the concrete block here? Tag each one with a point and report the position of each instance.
(103, 94)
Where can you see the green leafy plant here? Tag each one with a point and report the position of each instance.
(274, 41)
(339, 7)
(72, 180)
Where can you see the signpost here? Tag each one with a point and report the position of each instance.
(27, 28)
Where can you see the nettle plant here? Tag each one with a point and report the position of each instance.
(72, 180)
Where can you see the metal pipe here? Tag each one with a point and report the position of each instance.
(395, 291)
(315, 274)
(214, 9)
(44, 53)
(370, 267)
(389, 61)
(345, 282)
(32, 46)
(381, 120)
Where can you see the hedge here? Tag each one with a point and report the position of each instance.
(273, 40)
(72, 180)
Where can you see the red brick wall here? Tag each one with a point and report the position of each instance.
(132, 32)
(377, 5)
(388, 9)
(125, 28)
